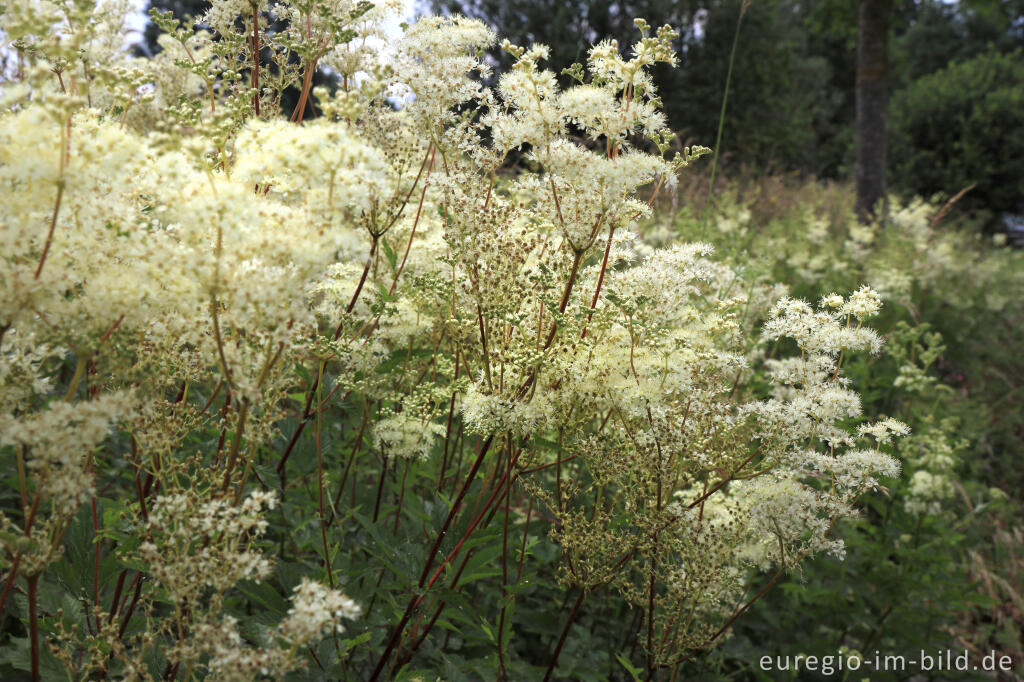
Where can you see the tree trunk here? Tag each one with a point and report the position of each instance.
(872, 103)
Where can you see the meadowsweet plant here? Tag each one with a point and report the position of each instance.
(331, 391)
(932, 563)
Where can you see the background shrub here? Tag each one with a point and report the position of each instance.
(962, 126)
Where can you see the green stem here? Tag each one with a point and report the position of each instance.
(80, 366)
(725, 100)
(243, 413)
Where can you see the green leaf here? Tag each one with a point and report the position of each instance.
(391, 256)
(628, 665)
(265, 595)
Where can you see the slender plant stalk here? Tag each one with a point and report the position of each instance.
(255, 77)
(33, 624)
(439, 610)
(355, 449)
(80, 366)
(502, 673)
(97, 540)
(317, 437)
(126, 616)
(12, 573)
(401, 496)
(236, 442)
(380, 487)
(53, 227)
(721, 114)
(526, 533)
(396, 634)
(307, 411)
(600, 280)
(565, 634)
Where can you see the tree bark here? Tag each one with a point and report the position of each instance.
(873, 20)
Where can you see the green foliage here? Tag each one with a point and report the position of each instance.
(779, 103)
(963, 126)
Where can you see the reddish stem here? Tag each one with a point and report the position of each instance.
(565, 633)
(396, 634)
(33, 624)
(9, 583)
(600, 281)
(255, 79)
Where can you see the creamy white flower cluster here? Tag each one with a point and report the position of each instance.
(61, 442)
(194, 544)
(407, 435)
(932, 454)
(316, 611)
(765, 480)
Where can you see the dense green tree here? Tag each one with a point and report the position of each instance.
(960, 126)
(779, 103)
